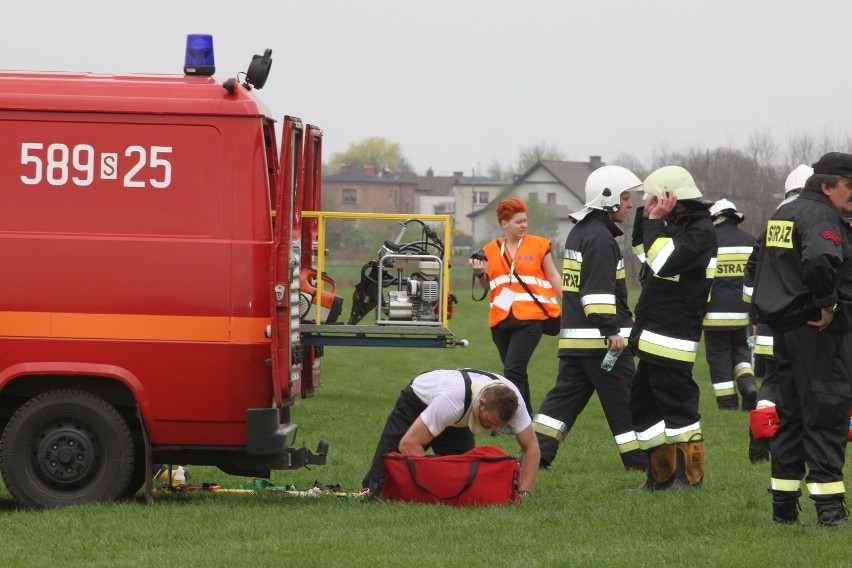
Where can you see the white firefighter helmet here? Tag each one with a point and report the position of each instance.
(726, 208)
(604, 188)
(797, 178)
(675, 181)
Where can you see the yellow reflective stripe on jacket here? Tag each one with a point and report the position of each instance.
(785, 484)
(598, 304)
(639, 251)
(748, 291)
(659, 253)
(571, 271)
(548, 426)
(732, 261)
(725, 319)
(830, 488)
(619, 270)
(724, 389)
(763, 345)
(710, 271)
(586, 338)
(668, 347)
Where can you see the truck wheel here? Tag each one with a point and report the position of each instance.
(66, 447)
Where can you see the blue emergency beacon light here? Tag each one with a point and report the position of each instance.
(199, 55)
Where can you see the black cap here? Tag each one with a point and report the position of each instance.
(834, 164)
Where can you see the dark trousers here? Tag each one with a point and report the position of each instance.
(576, 382)
(814, 394)
(663, 393)
(516, 341)
(723, 350)
(408, 407)
(768, 390)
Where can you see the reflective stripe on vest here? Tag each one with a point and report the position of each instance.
(668, 347)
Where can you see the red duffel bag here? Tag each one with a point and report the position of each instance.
(764, 422)
(483, 476)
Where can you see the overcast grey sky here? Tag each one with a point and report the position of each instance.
(460, 83)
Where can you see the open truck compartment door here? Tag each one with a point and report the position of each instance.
(311, 200)
(286, 259)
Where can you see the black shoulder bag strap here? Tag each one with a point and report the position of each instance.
(524, 284)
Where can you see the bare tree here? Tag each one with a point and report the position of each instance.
(541, 151)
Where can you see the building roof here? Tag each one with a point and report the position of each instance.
(359, 177)
(572, 175)
(443, 185)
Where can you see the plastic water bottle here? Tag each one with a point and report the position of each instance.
(180, 477)
(609, 360)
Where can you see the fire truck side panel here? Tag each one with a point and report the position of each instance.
(135, 234)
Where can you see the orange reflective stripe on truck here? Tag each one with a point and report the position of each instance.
(133, 327)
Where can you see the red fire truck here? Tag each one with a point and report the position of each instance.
(152, 243)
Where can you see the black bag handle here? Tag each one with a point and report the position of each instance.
(471, 476)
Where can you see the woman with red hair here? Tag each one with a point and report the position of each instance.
(524, 286)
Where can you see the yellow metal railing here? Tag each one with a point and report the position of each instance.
(321, 217)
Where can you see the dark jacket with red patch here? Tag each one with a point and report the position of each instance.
(806, 265)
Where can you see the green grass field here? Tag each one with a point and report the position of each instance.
(582, 513)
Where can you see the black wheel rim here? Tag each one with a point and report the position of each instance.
(65, 455)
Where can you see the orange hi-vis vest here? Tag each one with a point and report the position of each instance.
(528, 266)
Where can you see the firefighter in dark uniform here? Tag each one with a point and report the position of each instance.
(595, 319)
(726, 324)
(764, 358)
(803, 291)
(679, 242)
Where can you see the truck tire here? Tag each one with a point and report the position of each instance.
(66, 447)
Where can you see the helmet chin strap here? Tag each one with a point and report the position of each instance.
(609, 208)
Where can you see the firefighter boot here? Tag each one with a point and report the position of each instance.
(662, 462)
(785, 507)
(758, 449)
(831, 511)
(747, 385)
(690, 464)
